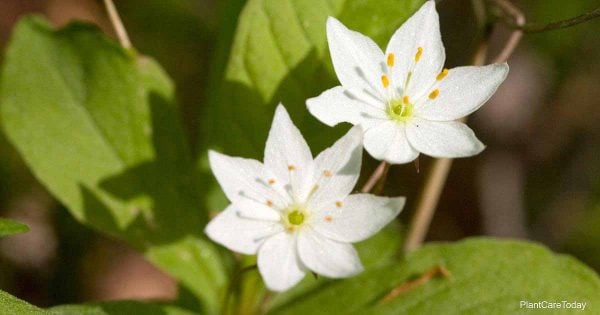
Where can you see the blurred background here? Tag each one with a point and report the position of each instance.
(538, 178)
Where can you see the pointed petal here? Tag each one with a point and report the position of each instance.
(388, 142)
(239, 234)
(358, 217)
(422, 30)
(443, 139)
(337, 169)
(327, 257)
(287, 154)
(339, 104)
(461, 92)
(245, 179)
(278, 262)
(357, 60)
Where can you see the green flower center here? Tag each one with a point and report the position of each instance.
(296, 217)
(399, 110)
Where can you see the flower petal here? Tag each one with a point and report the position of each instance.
(278, 262)
(245, 179)
(340, 104)
(287, 154)
(327, 257)
(357, 60)
(337, 169)
(358, 217)
(443, 139)
(388, 142)
(422, 30)
(240, 234)
(461, 92)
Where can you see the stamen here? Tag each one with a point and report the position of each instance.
(418, 54)
(328, 218)
(434, 94)
(269, 202)
(405, 100)
(442, 74)
(390, 60)
(291, 168)
(339, 204)
(271, 181)
(385, 81)
(327, 173)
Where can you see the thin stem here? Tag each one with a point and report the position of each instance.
(233, 285)
(436, 180)
(538, 28)
(117, 24)
(375, 177)
(515, 36)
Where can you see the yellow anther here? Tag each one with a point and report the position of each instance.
(434, 94)
(442, 74)
(385, 81)
(338, 204)
(405, 100)
(327, 173)
(328, 218)
(291, 167)
(390, 60)
(271, 181)
(418, 54)
(269, 202)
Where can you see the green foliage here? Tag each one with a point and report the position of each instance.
(98, 126)
(487, 277)
(10, 227)
(10, 305)
(118, 308)
(279, 54)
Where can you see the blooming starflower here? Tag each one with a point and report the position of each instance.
(295, 212)
(405, 100)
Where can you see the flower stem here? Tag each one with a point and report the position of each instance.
(117, 24)
(436, 180)
(379, 172)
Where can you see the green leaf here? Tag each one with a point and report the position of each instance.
(10, 305)
(280, 54)
(98, 126)
(10, 227)
(118, 308)
(487, 277)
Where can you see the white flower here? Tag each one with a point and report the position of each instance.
(294, 212)
(405, 100)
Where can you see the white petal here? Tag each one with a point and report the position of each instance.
(240, 234)
(327, 257)
(443, 139)
(245, 179)
(388, 142)
(340, 104)
(420, 30)
(278, 262)
(287, 154)
(358, 217)
(357, 60)
(461, 92)
(337, 169)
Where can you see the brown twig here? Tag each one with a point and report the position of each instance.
(538, 28)
(375, 177)
(436, 180)
(410, 285)
(516, 34)
(117, 24)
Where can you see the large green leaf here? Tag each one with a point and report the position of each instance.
(487, 277)
(118, 308)
(98, 126)
(10, 227)
(10, 305)
(279, 54)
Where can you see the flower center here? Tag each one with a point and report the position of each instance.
(295, 217)
(400, 109)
